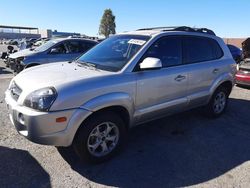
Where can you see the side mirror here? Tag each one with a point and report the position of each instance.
(151, 63)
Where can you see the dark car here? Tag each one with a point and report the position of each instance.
(55, 50)
(30, 42)
(236, 52)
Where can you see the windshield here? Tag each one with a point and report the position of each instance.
(115, 52)
(45, 46)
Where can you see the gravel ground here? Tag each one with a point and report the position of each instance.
(187, 149)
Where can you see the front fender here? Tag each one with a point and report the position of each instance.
(109, 100)
(95, 104)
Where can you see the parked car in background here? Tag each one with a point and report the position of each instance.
(243, 74)
(236, 53)
(39, 42)
(30, 42)
(14, 42)
(52, 51)
(126, 80)
(10, 49)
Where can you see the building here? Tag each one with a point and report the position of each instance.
(55, 33)
(17, 32)
(234, 41)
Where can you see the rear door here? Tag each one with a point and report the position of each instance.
(163, 91)
(202, 56)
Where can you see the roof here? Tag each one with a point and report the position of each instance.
(17, 27)
(145, 32)
(157, 30)
(62, 39)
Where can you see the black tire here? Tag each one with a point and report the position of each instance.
(83, 136)
(210, 109)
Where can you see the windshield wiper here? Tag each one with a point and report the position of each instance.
(86, 64)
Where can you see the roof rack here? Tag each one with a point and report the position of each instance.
(180, 28)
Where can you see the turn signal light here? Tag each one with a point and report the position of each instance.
(61, 119)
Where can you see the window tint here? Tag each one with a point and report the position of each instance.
(73, 47)
(168, 50)
(79, 46)
(198, 49)
(86, 45)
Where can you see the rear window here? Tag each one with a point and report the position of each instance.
(199, 49)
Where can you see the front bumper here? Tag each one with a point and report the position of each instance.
(41, 127)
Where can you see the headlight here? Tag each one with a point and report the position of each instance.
(41, 99)
(20, 59)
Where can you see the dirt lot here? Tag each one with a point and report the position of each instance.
(183, 150)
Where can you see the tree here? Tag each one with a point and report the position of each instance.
(107, 25)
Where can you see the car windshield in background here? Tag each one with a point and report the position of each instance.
(115, 52)
(45, 46)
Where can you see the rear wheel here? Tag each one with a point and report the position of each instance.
(218, 102)
(100, 137)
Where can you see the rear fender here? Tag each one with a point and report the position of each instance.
(220, 80)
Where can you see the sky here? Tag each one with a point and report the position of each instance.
(228, 18)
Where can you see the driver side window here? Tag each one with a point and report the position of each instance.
(59, 49)
(168, 50)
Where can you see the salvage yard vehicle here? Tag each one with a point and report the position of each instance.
(52, 51)
(126, 80)
(243, 74)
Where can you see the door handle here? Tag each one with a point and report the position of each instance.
(215, 71)
(180, 78)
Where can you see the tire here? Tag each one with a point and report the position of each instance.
(218, 103)
(90, 142)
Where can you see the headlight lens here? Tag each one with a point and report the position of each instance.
(41, 99)
(21, 58)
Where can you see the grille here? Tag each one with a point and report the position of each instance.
(15, 91)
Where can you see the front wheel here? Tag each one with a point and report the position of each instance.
(217, 103)
(100, 137)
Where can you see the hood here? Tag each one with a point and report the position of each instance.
(22, 53)
(55, 75)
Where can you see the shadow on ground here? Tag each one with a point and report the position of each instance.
(181, 150)
(243, 86)
(20, 169)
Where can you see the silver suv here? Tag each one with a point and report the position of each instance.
(126, 80)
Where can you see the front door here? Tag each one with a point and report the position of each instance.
(161, 92)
